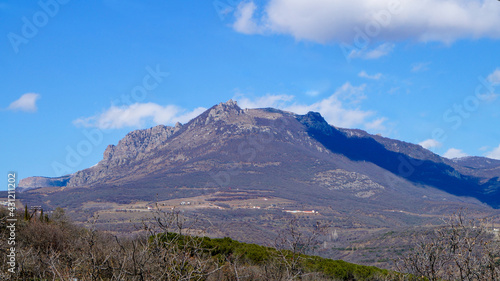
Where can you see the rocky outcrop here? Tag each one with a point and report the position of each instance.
(36, 182)
(134, 146)
(138, 142)
(225, 113)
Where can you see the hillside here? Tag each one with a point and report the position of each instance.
(162, 251)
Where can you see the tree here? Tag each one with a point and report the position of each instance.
(44, 217)
(59, 216)
(292, 244)
(26, 213)
(463, 249)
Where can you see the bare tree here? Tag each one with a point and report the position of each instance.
(167, 251)
(463, 249)
(426, 259)
(291, 245)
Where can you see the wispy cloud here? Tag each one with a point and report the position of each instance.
(484, 148)
(420, 67)
(430, 143)
(363, 74)
(370, 54)
(26, 103)
(494, 77)
(377, 125)
(138, 115)
(351, 94)
(313, 93)
(341, 109)
(454, 153)
(494, 154)
(276, 101)
(333, 21)
(245, 22)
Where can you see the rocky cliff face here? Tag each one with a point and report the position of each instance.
(36, 182)
(133, 147)
(137, 143)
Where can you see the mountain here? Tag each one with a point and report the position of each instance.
(37, 182)
(481, 167)
(409, 161)
(279, 152)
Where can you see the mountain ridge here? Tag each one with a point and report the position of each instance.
(195, 147)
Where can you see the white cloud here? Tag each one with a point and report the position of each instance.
(340, 109)
(419, 67)
(136, 115)
(350, 93)
(245, 22)
(376, 20)
(494, 77)
(490, 95)
(393, 90)
(378, 52)
(430, 143)
(377, 125)
(454, 153)
(484, 148)
(373, 77)
(276, 101)
(186, 117)
(313, 93)
(26, 102)
(494, 154)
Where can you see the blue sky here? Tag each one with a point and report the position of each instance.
(78, 76)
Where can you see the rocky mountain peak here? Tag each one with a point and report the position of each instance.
(225, 109)
(226, 112)
(230, 103)
(314, 121)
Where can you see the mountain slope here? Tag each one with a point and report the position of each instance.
(421, 168)
(299, 157)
